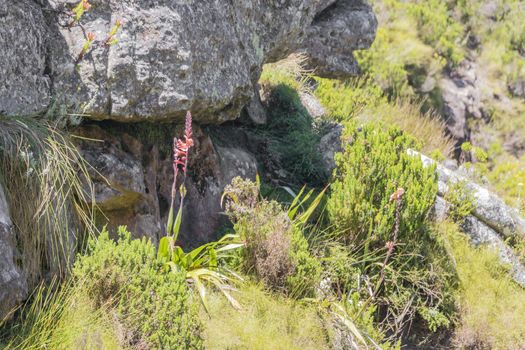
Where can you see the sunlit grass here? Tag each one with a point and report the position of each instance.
(492, 306)
(267, 321)
(62, 317)
(49, 193)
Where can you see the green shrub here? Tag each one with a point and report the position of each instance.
(364, 101)
(346, 100)
(438, 29)
(414, 277)
(306, 277)
(292, 136)
(155, 307)
(276, 250)
(461, 201)
(370, 169)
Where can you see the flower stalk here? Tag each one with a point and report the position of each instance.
(90, 39)
(79, 10)
(180, 163)
(111, 40)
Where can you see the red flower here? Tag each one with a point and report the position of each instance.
(389, 246)
(181, 148)
(86, 5)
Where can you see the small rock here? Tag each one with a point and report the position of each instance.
(329, 145)
(13, 285)
(312, 105)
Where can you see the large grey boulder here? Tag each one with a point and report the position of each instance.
(338, 29)
(488, 207)
(491, 220)
(13, 286)
(481, 234)
(172, 56)
(461, 94)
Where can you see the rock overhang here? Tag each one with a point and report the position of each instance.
(171, 57)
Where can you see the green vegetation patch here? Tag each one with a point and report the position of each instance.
(267, 321)
(379, 206)
(155, 307)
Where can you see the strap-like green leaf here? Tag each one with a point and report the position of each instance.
(164, 249)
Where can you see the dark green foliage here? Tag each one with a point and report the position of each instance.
(155, 307)
(293, 137)
(414, 283)
(373, 167)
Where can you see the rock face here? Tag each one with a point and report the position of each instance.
(172, 56)
(461, 99)
(491, 221)
(13, 286)
(25, 85)
(133, 180)
(329, 145)
(338, 29)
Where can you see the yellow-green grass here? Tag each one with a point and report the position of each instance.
(266, 321)
(492, 306)
(63, 318)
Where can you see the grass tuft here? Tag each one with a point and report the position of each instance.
(49, 193)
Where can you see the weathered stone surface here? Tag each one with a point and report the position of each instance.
(340, 28)
(172, 56)
(491, 220)
(255, 109)
(312, 105)
(25, 86)
(480, 233)
(488, 207)
(329, 145)
(460, 90)
(517, 88)
(121, 180)
(13, 286)
(133, 181)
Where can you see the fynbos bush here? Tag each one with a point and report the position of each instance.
(155, 307)
(378, 206)
(370, 169)
(276, 249)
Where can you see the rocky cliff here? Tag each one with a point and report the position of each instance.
(171, 56)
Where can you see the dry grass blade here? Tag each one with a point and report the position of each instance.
(290, 70)
(429, 127)
(48, 189)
